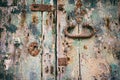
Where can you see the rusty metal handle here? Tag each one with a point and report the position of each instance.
(83, 36)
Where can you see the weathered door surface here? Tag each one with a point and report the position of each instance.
(59, 40)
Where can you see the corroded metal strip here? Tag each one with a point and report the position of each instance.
(68, 34)
(42, 7)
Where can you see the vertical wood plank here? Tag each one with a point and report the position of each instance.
(48, 44)
(30, 67)
(67, 48)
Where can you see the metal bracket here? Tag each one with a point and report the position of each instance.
(62, 62)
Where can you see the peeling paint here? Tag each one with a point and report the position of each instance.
(55, 56)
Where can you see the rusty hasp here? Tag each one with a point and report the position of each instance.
(42, 7)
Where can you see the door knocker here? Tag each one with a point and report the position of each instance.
(79, 15)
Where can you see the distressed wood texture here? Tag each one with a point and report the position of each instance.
(59, 40)
(66, 49)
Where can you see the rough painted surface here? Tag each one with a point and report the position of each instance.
(33, 45)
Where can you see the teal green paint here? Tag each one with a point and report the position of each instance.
(11, 28)
(115, 70)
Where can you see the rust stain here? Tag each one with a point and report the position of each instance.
(23, 18)
(34, 18)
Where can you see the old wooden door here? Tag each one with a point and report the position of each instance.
(59, 40)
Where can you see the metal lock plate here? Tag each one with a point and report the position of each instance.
(62, 61)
